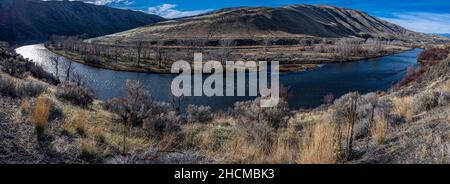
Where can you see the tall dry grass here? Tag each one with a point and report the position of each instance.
(318, 145)
(403, 107)
(379, 130)
(41, 113)
(286, 147)
(81, 122)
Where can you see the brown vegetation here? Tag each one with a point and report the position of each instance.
(318, 145)
(41, 113)
(433, 55)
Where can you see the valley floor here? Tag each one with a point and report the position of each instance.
(291, 58)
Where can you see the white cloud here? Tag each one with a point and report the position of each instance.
(422, 22)
(101, 2)
(169, 11)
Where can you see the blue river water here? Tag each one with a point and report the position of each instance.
(307, 88)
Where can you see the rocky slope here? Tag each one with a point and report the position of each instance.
(294, 21)
(34, 20)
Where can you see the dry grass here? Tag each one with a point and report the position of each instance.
(379, 130)
(318, 145)
(99, 132)
(286, 148)
(41, 113)
(241, 150)
(65, 126)
(88, 149)
(81, 122)
(403, 107)
(25, 105)
(167, 142)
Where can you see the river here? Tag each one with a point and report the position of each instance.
(307, 88)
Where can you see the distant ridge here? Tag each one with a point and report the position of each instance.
(293, 21)
(33, 20)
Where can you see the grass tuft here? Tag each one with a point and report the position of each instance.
(41, 113)
(379, 130)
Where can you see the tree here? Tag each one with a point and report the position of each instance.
(139, 46)
(55, 63)
(347, 47)
(328, 99)
(67, 68)
(267, 43)
(161, 54)
(226, 48)
(374, 46)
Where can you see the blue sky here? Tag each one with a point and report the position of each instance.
(430, 16)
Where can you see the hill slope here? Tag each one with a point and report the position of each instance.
(283, 22)
(32, 20)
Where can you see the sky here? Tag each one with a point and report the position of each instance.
(428, 16)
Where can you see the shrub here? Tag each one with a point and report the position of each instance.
(133, 108)
(199, 114)
(438, 70)
(7, 86)
(444, 97)
(78, 95)
(31, 89)
(448, 116)
(328, 99)
(20, 88)
(252, 143)
(403, 107)
(162, 124)
(433, 54)
(412, 74)
(426, 101)
(41, 113)
(15, 65)
(92, 59)
(275, 116)
(137, 106)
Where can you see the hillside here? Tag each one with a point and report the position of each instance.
(253, 23)
(63, 123)
(33, 20)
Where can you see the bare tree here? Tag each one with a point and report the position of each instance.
(161, 53)
(55, 63)
(77, 78)
(67, 68)
(351, 117)
(374, 46)
(139, 46)
(267, 43)
(226, 48)
(347, 47)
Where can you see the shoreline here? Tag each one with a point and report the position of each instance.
(283, 68)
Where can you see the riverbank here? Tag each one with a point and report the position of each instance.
(309, 87)
(406, 125)
(291, 58)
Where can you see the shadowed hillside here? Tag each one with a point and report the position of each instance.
(253, 23)
(32, 20)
